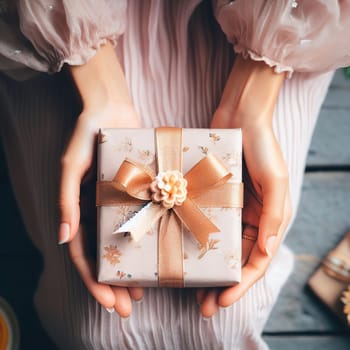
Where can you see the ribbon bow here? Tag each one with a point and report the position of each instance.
(136, 180)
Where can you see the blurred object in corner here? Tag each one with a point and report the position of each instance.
(347, 72)
(331, 281)
(9, 329)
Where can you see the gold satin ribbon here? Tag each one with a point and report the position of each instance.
(207, 187)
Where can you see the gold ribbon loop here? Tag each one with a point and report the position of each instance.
(108, 195)
(208, 173)
(134, 179)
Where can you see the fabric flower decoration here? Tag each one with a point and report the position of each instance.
(169, 188)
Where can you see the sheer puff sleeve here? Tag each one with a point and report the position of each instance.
(69, 31)
(289, 35)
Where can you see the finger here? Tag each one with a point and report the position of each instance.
(274, 196)
(200, 295)
(69, 204)
(136, 293)
(122, 301)
(86, 268)
(249, 238)
(75, 163)
(210, 305)
(256, 266)
(221, 119)
(251, 272)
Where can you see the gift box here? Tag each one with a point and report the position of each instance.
(331, 281)
(169, 204)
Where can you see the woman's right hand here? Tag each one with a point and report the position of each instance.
(106, 104)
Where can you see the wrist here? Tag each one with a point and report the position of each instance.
(250, 94)
(101, 80)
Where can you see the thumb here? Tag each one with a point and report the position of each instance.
(221, 119)
(69, 201)
(274, 196)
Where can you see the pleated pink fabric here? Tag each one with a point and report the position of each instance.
(176, 61)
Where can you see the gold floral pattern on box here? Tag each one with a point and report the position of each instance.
(204, 149)
(215, 137)
(112, 254)
(122, 274)
(232, 261)
(146, 156)
(232, 159)
(210, 245)
(126, 145)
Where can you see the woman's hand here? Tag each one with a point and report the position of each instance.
(248, 102)
(106, 104)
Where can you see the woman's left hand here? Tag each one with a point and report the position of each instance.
(267, 210)
(265, 218)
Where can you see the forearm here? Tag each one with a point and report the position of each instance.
(101, 79)
(250, 94)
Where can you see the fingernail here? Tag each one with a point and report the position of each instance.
(63, 233)
(270, 246)
(110, 309)
(125, 319)
(206, 319)
(140, 301)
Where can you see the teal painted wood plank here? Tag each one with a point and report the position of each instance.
(308, 342)
(337, 98)
(340, 81)
(330, 145)
(331, 140)
(339, 92)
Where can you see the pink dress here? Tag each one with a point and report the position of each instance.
(176, 56)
